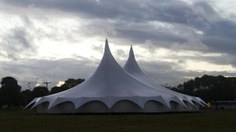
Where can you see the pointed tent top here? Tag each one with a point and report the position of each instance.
(106, 45)
(131, 53)
(106, 42)
(107, 49)
(131, 66)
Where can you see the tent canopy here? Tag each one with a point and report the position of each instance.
(114, 89)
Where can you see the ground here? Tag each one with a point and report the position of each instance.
(204, 121)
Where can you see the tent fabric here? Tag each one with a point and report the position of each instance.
(111, 89)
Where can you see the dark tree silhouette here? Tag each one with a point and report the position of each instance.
(69, 83)
(27, 96)
(10, 92)
(56, 89)
(210, 88)
(40, 91)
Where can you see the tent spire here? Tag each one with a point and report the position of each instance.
(107, 49)
(106, 42)
(131, 53)
(131, 65)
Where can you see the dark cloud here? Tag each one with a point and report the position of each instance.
(220, 37)
(129, 10)
(19, 40)
(200, 16)
(92, 8)
(16, 42)
(141, 36)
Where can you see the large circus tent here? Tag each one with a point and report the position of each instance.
(113, 89)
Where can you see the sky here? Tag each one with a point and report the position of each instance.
(173, 40)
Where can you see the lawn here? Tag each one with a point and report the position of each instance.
(204, 121)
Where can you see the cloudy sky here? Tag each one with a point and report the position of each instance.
(174, 40)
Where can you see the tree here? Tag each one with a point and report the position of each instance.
(56, 89)
(26, 96)
(10, 92)
(69, 83)
(40, 91)
(211, 87)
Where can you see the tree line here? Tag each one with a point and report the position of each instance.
(11, 94)
(210, 88)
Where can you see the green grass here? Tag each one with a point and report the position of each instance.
(205, 121)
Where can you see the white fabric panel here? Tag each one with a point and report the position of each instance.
(93, 107)
(64, 107)
(153, 106)
(126, 106)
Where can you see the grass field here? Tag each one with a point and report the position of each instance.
(204, 121)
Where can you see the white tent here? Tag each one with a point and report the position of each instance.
(113, 90)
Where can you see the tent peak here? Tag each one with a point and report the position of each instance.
(131, 52)
(107, 49)
(106, 41)
(131, 66)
